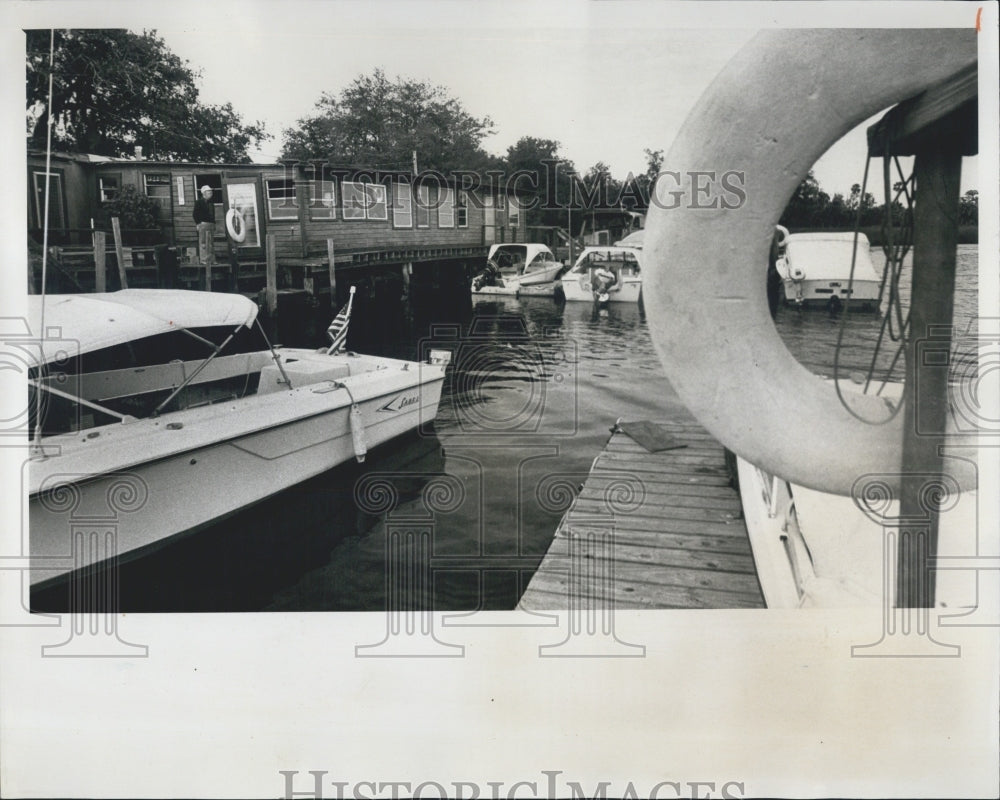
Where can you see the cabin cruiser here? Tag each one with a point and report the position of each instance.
(166, 411)
(588, 280)
(815, 270)
(513, 269)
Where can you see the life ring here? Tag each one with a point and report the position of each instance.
(783, 235)
(704, 286)
(236, 226)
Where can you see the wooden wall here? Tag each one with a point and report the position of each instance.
(306, 235)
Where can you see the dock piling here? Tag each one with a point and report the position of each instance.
(271, 291)
(100, 273)
(116, 231)
(331, 258)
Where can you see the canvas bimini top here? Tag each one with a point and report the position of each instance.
(83, 323)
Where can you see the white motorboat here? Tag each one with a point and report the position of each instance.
(815, 269)
(513, 269)
(585, 282)
(144, 438)
(814, 549)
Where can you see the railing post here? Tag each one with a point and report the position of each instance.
(331, 259)
(271, 292)
(100, 273)
(116, 231)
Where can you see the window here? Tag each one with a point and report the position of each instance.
(214, 182)
(281, 202)
(364, 200)
(514, 215)
(402, 206)
(501, 202)
(322, 199)
(423, 207)
(158, 187)
(462, 209)
(376, 201)
(108, 187)
(56, 218)
(446, 209)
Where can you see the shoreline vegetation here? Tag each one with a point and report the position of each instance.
(967, 234)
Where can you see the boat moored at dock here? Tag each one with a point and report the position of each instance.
(818, 270)
(606, 274)
(133, 424)
(513, 269)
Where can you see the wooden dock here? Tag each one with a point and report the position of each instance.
(651, 530)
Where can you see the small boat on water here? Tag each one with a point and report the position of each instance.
(135, 422)
(605, 274)
(514, 269)
(816, 270)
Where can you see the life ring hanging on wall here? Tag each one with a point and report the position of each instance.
(236, 225)
(778, 105)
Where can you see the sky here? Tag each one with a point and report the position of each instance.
(605, 79)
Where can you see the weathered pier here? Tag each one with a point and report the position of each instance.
(651, 530)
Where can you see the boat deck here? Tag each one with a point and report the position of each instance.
(651, 530)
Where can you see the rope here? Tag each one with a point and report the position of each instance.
(45, 242)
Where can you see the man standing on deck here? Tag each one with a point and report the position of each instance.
(204, 217)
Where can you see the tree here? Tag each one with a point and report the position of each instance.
(968, 208)
(376, 122)
(114, 90)
(551, 172)
(808, 205)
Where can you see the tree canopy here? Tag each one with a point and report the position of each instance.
(114, 90)
(376, 122)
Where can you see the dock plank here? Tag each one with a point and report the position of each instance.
(651, 530)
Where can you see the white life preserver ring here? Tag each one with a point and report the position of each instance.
(778, 105)
(783, 235)
(236, 226)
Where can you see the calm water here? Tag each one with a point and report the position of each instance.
(534, 387)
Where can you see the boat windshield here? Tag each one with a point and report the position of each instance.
(612, 258)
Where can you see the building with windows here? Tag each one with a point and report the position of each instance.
(368, 215)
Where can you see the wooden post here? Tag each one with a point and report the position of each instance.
(116, 231)
(100, 273)
(407, 272)
(331, 258)
(271, 292)
(937, 170)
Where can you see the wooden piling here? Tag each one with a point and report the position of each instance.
(407, 272)
(935, 235)
(116, 231)
(331, 258)
(271, 292)
(100, 271)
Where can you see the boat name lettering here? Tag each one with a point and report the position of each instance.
(401, 402)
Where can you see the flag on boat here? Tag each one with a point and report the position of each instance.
(338, 328)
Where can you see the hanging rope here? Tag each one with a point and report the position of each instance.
(897, 241)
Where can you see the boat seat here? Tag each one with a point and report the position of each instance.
(301, 373)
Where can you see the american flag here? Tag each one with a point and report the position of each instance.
(338, 328)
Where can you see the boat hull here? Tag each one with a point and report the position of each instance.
(578, 289)
(225, 458)
(862, 295)
(517, 289)
(814, 549)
